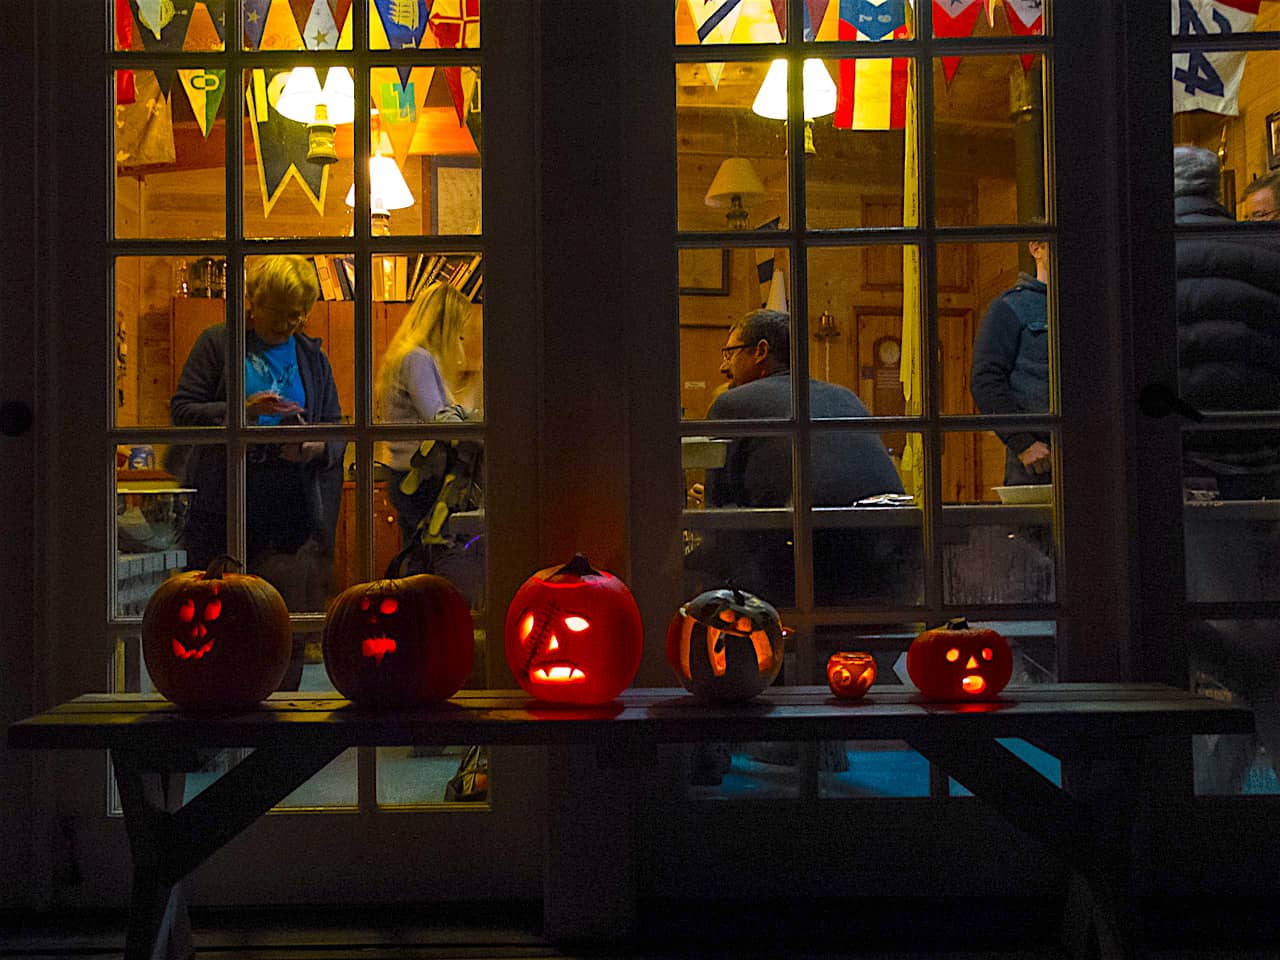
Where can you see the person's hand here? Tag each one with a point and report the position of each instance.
(303, 452)
(1037, 458)
(267, 403)
(695, 496)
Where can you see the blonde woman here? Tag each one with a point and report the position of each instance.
(425, 373)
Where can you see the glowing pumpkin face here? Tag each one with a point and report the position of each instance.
(850, 674)
(726, 645)
(958, 663)
(399, 642)
(573, 634)
(214, 640)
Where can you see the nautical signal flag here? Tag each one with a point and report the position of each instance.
(1026, 19)
(871, 94)
(1210, 81)
(280, 146)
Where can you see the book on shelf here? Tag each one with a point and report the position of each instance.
(329, 289)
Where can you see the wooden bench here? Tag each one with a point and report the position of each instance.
(1106, 730)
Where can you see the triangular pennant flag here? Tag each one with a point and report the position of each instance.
(397, 105)
(1025, 20)
(144, 128)
(760, 25)
(321, 31)
(777, 299)
(280, 145)
(686, 32)
(161, 25)
(255, 20)
(377, 39)
(474, 112)
(871, 94)
(455, 23)
(954, 18)
(340, 12)
(714, 72)
(204, 90)
(202, 32)
(404, 22)
(217, 10)
(780, 16)
(301, 10)
(281, 30)
(453, 77)
(715, 19)
(815, 12)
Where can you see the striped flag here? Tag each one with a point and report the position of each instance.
(1209, 81)
(954, 18)
(871, 94)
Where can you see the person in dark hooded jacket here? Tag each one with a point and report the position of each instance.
(1010, 372)
(1228, 315)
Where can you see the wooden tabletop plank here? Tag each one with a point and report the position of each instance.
(639, 716)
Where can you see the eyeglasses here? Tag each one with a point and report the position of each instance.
(726, 353)
(1261, 215)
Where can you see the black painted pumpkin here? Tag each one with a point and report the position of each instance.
(216, 640)
(726, 645)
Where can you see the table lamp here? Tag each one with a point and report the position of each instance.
(387, 189)
(735, 184)
(303, 100)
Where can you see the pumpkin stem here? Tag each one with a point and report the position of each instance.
(958, 623)
(579, 566)
(219, 566)
(393, 568)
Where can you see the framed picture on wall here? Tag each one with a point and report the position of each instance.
(455, 192)
(704, 272)
(1273, 141)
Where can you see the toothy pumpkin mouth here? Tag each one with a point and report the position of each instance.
(377, 647)
(557, 671)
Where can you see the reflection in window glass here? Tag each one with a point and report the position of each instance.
(989, 130)
(170, 157)
(1234, 661)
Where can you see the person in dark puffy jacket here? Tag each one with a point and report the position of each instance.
(1228, 315)
(1010, 372)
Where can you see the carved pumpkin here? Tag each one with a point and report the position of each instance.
(958, 662)
(399, 642)
(726, 645)
(573, 634)
(215, 640)
(850, 674)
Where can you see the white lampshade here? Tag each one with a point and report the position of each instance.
(819, 91)
(302, 94)
(387, 189)
(735, 178)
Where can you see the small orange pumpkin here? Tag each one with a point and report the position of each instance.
(850, 674)
(215, 640)
(958, 662)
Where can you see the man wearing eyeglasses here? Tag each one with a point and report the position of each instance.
(1260, 199)
(844, 466)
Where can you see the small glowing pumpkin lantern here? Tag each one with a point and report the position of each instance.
(573, 634)
(850, 674)
(399, 642)
(216, 640)
(726, 645)
(957, 662)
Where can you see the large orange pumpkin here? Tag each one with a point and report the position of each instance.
(399, 642)
(215, 640)
(573, 634)
(959, 662)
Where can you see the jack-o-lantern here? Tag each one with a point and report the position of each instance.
(573, 634)
(216, 640)
(850, 674)
(399, 642)
(958, 662)
(726, 645)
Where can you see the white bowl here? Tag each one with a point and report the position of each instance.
(1026, 493)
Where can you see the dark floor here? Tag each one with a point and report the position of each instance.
(509, 931)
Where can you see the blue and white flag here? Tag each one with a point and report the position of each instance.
(1210, 81)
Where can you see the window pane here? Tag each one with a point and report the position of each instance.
(408, 24)
(989, 134)
(731, 160)
(271, 25)
(170, 159)
(749, 21)
(863, 331)
(169, 27)
(298, 151)
(152, 507)
(162, 305)
(1235, 661)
